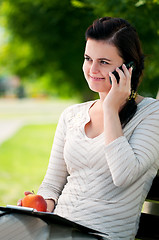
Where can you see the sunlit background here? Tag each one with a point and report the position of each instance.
(41, 55)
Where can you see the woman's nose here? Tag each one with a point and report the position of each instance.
(94, 68)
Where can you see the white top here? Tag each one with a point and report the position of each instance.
(103, 187)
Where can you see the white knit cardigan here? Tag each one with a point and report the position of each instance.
(103, 187)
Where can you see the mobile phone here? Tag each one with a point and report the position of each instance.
(128, 65)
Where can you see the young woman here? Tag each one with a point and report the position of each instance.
(105, 152)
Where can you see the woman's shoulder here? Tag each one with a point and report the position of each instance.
(147, 113)
(148, 107)
(78, 110)
(149, 103)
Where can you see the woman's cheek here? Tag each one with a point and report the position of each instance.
(85, 66)
(85, 71)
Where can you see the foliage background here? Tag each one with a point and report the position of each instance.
(27, 128)
(44, 40)
(24, 165)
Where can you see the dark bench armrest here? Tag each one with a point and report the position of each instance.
(151, 208)
(154, 191)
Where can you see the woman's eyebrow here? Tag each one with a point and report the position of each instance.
(85, 55)
(105, 59)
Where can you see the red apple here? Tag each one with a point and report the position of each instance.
(35, 201)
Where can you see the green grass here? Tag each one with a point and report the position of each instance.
(24, 160)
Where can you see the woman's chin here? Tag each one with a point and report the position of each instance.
(98, 89)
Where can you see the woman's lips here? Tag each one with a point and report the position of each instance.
(97, 78)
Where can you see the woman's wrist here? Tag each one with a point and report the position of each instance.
(110, 110)
(112, 125)
(50, 205)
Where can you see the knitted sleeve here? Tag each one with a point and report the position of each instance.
(56, 174)
(129, 160)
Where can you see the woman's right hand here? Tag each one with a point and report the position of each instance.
(119, 92)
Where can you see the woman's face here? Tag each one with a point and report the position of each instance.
(100, 59)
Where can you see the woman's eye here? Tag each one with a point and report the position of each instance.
(87, 58)
(103, 62)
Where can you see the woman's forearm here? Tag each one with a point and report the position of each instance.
(112, 126)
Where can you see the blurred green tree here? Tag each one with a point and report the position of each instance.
(47, 38)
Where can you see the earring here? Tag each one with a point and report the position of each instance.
(133, 95)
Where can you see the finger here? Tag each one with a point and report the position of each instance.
(127, 72)
(121, 73)
(113, 79)
(19, 203)
(130, 70)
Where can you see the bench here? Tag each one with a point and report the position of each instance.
(149, 221)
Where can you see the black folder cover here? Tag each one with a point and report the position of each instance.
(46, 216)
